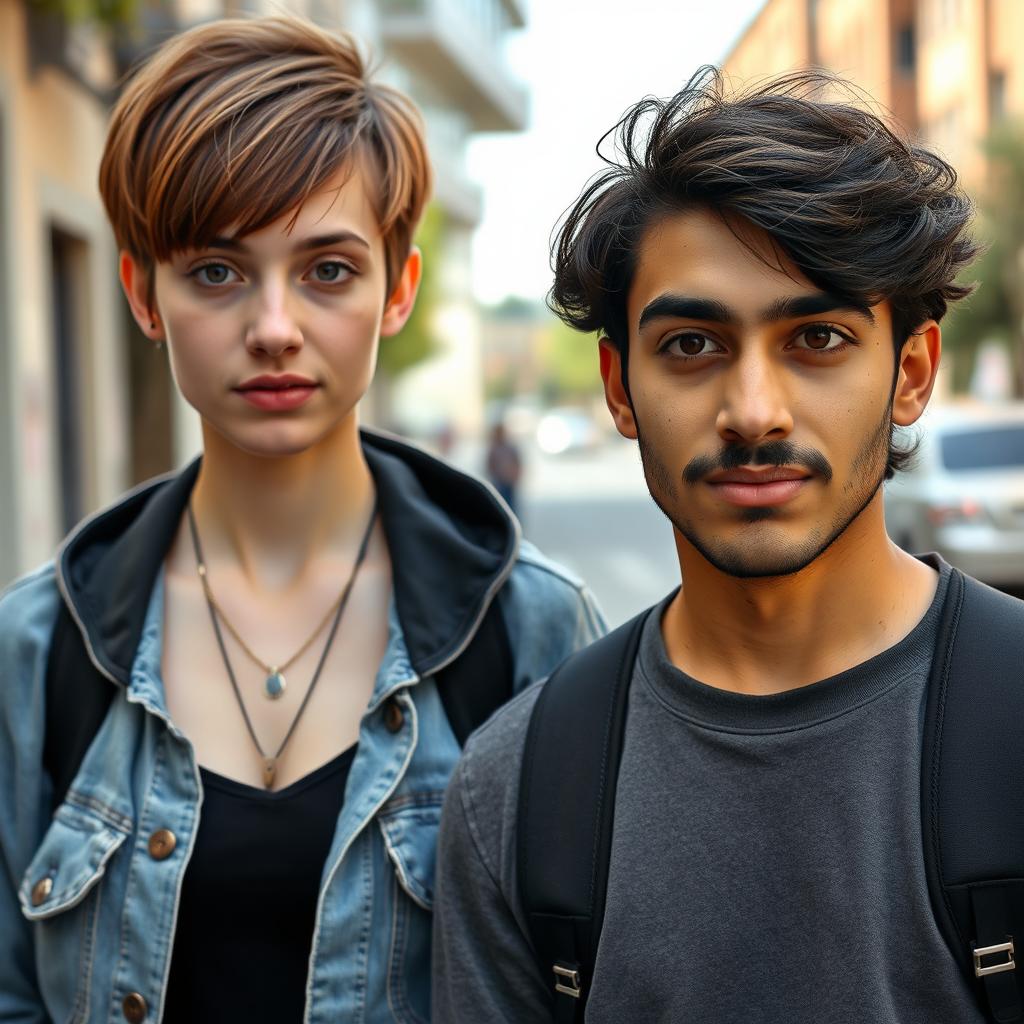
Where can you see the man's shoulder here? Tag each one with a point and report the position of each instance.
(486, 781)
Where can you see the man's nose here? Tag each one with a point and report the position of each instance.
(755, 404)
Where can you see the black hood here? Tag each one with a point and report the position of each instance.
(452, 543)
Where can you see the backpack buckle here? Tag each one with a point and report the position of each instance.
(980, 970)
(568, 981)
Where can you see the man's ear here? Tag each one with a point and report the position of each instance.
(919, 363)
(136, 284)
(403, 295)
(615, 393)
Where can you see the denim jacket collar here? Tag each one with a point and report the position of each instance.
(452, 543)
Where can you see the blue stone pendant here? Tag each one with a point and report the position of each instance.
(273, 685)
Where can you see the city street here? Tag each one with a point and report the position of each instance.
(591, 512)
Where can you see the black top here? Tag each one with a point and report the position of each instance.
(248, 900)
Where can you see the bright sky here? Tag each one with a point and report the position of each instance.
(585, 62)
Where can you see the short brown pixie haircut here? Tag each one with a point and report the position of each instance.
(237, 122)
(861, 211)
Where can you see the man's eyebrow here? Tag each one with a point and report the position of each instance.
(812, 305)
(684, 307)
(307, 244)
(790, 308)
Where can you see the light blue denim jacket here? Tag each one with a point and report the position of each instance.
(103, 932)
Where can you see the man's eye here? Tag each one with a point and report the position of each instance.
(213, 274)
(821, 338)
(331, 272)
(690, 345)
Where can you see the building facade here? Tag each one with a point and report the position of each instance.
(86, 404)
(946, 70)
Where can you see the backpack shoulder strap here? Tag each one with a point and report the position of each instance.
(480, 679)
(566, 806)
(77, 700)
(972, 781)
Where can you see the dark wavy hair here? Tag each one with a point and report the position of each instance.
(860, 210)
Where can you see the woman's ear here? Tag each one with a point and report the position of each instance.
(403, 295)
(615, 392)
(919, 363)
(135, 280)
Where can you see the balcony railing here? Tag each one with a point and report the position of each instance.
(457, 44)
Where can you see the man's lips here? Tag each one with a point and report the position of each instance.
(748, 487)
(277, 392)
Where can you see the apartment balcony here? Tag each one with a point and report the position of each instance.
(455, 44)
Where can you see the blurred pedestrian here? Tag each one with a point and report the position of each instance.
(504, 465)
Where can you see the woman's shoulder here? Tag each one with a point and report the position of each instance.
(548, 610)
(28, 610)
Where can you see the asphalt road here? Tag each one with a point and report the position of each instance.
(592, 513)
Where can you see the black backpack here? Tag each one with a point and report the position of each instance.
(78, 695)
(972, 799)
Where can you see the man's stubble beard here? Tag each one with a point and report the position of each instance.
(745, 559)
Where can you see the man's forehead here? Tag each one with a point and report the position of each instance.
(729, 266)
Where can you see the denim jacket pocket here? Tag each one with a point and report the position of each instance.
(409, 825)
(59, 894)
(70, 860)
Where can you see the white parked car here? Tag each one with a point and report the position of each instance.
(964, 497)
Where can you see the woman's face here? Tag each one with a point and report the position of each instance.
(273, 335)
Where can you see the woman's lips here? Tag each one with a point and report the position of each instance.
(278, 399)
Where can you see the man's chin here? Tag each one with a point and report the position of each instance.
(746, 565)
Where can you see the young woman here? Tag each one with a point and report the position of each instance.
(250, 833)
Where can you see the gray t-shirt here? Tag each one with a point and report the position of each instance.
(766, 863)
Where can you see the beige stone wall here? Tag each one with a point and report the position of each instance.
(53, 131)
(777, 40)
(952, 82)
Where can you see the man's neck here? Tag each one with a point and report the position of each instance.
(771, 634)
(275, 517)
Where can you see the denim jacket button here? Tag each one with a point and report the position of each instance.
(41, 890)
(162, 843)
(134, 1008)
(394, 717)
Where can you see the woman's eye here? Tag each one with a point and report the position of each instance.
(331, 272)
(690, 345)
(821, 338)
(213, 274)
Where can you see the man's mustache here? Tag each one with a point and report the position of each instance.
(770, 453)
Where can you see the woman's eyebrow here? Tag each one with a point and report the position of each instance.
(304, 245)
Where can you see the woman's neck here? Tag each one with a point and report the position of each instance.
(274, 517)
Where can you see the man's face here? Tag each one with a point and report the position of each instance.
(761, 404)
(273, 336)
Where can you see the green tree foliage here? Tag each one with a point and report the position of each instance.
(995, 312)
(570, 364)
(116, 14)
(418, 339)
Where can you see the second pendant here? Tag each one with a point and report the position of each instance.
(274, 685)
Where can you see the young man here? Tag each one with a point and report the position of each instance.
(767, 274)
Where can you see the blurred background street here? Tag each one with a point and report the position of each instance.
(515, 94)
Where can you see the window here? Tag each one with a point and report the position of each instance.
(67, 267)
(906, 50)
(992, 448)
(997, 95)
